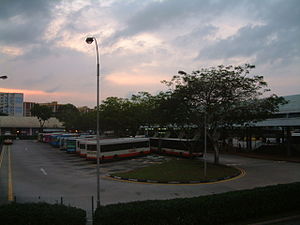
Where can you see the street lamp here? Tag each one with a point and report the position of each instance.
(90, 40)
(3, 77)
(205, 144)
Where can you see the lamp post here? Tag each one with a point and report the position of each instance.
(205, 144)
(3, 77)
(90, 40)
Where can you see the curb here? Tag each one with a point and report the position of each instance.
(178, 182)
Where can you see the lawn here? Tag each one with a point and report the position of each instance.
(182, 170)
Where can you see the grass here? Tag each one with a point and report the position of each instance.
(183, 170)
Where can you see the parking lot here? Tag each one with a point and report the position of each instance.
(42, 172)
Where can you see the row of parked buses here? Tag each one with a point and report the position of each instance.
(86, 146)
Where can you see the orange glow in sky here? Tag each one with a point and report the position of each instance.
(42, 96)
(134, 80)
(31, 92)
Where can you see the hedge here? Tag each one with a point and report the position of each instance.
(213, 209)
(41, 213)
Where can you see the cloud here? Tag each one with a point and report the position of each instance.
(275, 40)
(134, 79)
(141, 43)
(159, 15)
(22, 22)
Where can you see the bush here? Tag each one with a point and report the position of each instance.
(41, 213)
(214, 209)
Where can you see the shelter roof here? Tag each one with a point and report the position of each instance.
(28, 122)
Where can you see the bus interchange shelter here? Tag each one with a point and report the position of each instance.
(283, 127)
(26, 126)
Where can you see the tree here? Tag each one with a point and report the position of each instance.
(225, 96)
(125, 116)
(42, 112)
(114, 114)
(69, 115)
(87, 121)
(145, 106)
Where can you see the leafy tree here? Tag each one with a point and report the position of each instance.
(125, 116)
(87, 121)
(42, 112)
(145, 107)
(114, 114)
(69, 115)
(225, 96)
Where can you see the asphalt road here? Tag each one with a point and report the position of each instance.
(40, 172)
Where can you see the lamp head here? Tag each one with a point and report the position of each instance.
(181, 72)
(3, 77)
(89, 40)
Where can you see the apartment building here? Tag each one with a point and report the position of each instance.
(11, 104)
(54, 106)
(27, 106)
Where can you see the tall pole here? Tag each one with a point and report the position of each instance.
(98, 133)
(205, 144)
(89, 40)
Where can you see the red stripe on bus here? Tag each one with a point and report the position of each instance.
(120, 156)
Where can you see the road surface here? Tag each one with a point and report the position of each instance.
(33, 171)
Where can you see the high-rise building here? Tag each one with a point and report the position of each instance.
(11, 104)
(27, 106)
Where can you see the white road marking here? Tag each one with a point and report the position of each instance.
(43, 171)
(233, 164)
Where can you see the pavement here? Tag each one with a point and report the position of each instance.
(33, 171)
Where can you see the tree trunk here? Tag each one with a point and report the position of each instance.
(288, 141)
(216, 150)
(214, 137)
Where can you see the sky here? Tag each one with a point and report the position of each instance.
(142, 42)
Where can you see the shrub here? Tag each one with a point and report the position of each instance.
(41, 213)
(212, 209)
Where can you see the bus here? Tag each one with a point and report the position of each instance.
(58, 140)
(118, 148)
(81, 149)
(71, 142)
(177, 146)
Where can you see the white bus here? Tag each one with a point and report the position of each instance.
(118, 148)
(81, 146)
(177, 147)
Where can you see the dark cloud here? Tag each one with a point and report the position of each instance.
(28, 8)
(196, 36)
(53, 89)
(24, 21)
(159, 14)
(277, 38)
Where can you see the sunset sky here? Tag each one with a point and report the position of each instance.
(142, 42)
